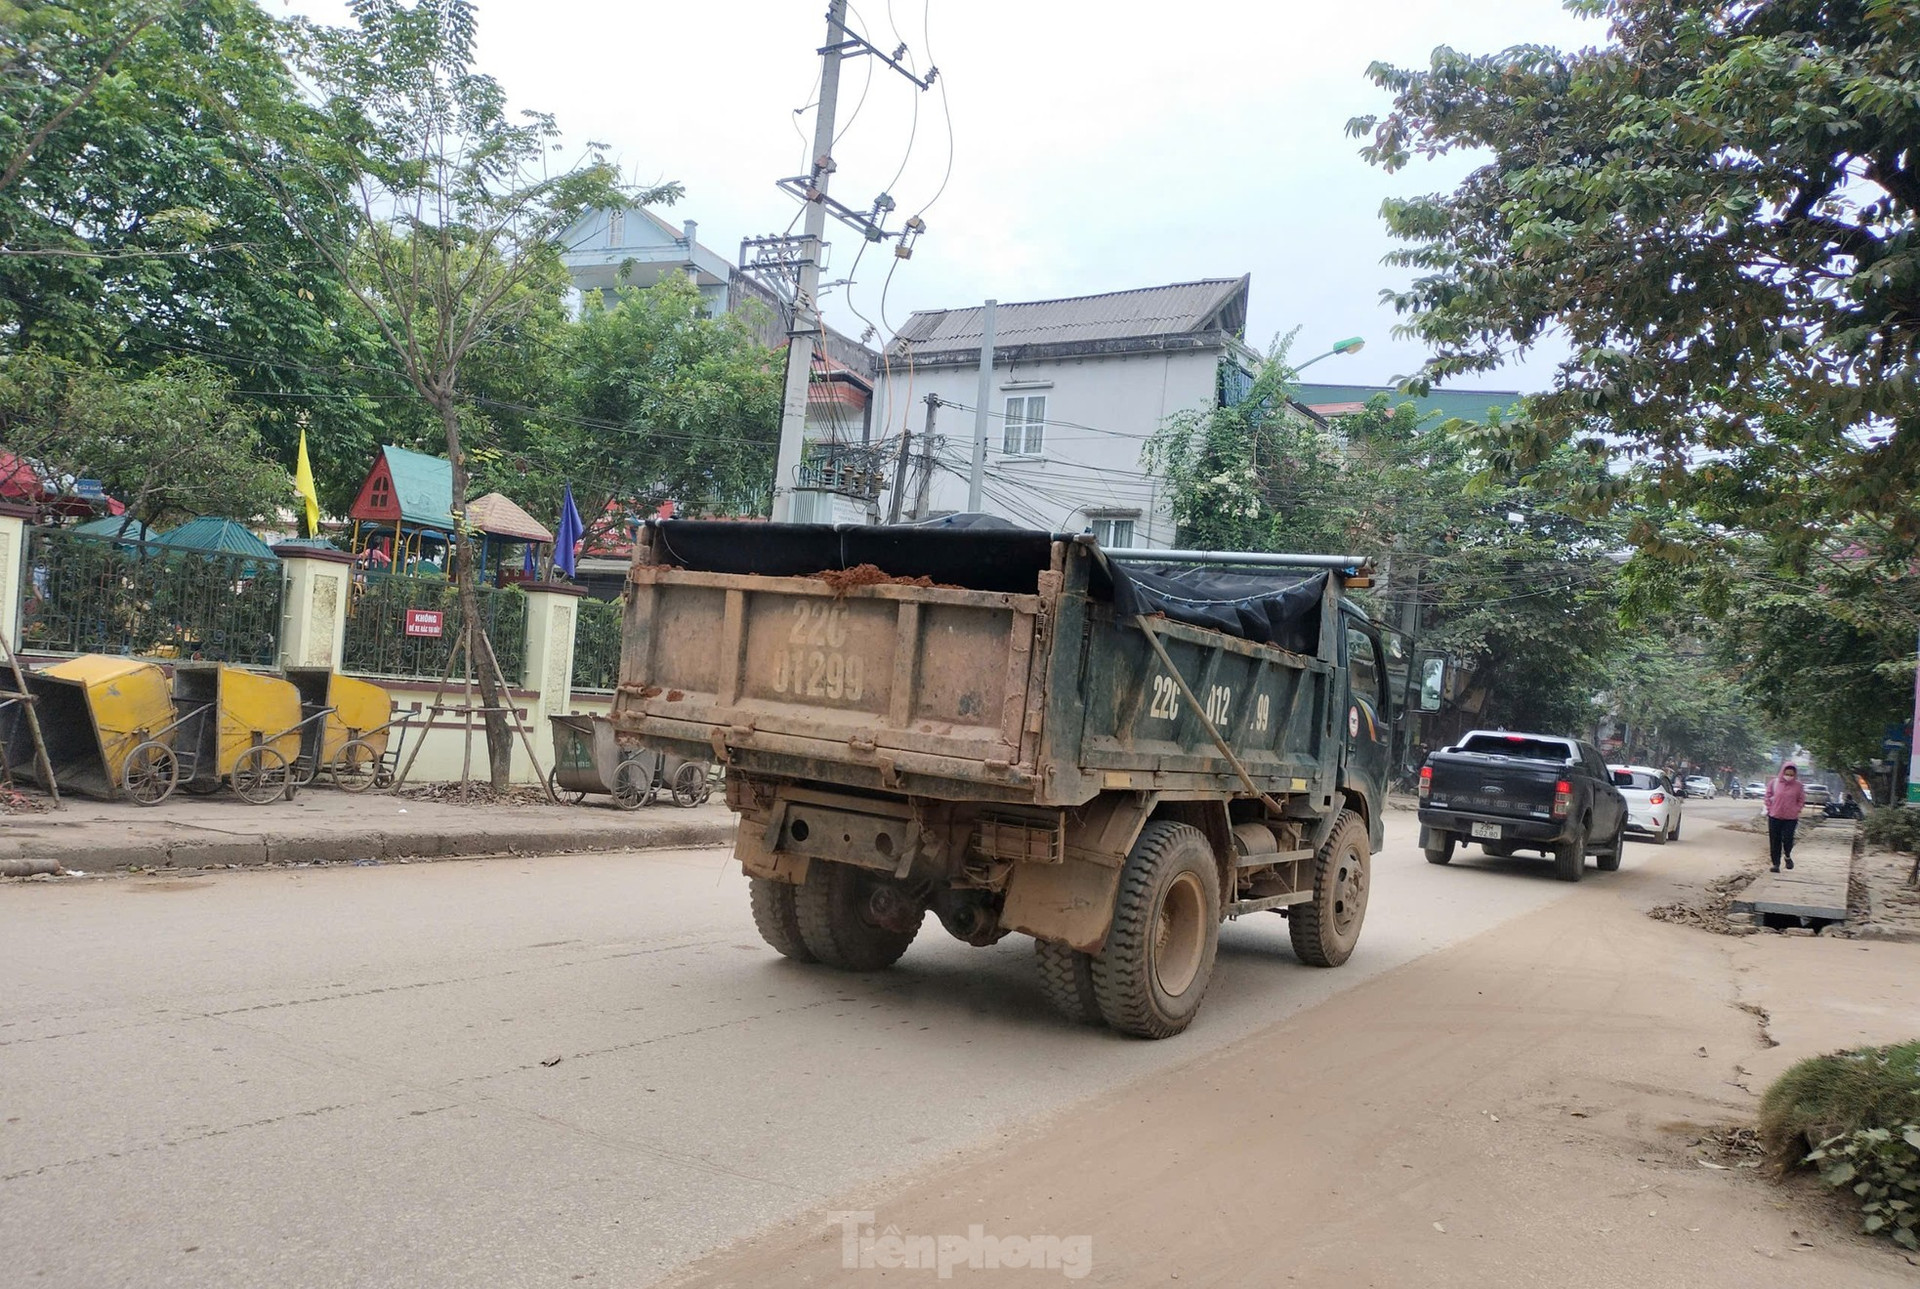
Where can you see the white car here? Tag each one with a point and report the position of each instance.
(1699, 785)
(1653, 807)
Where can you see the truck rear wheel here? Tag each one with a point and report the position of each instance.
(1326, 928)
(1570, 858)
(853, 918)
(1439, 848)
(1609, 860)
(1066, 977)
(776, 919)
(1153, 973)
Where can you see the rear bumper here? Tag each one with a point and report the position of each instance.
(1459, 824)
(1651, 822)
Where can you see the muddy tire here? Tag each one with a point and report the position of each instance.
(853, 918)
(775, 918)
(1608, 861)
(1570, 858)
(1152, 974)
(1441, 854)
(1326, 928)
(1066, 978)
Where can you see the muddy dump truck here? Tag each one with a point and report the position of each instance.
(1019, 732)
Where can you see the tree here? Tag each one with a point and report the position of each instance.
(661, 403)
(172, 444)
(456, 207)
(1717, 209)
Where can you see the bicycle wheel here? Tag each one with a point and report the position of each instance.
(564, 796)
(261, 775)
(355, 767)
(632, 785)
(151, 773)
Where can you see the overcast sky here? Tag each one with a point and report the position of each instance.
(1094, 146)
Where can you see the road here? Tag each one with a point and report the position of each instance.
(536, 1071)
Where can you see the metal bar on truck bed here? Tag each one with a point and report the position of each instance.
(1200, 713)
(1263, 559)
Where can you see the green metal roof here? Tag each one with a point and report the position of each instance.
(111, 525)
(423, 485)
(1440, 405)
(217, 535)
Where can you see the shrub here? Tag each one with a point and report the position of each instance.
(1882, 1167)
(1838, 1094)
(1892, 828)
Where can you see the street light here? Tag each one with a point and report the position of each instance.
(1351, 345)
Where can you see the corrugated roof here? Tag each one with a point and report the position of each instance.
(117, 526)
(1180, 309)
(498, 516)
(217, 535)
(424, 487)
(1440, 405)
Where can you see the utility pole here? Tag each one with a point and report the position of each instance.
(976, 477)
(925, 486)
(806, 325)
(900, 478)
(805, 329)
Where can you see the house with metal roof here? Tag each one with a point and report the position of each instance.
(1334, 401)
(1077, 388)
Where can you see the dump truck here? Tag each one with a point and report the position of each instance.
(1110, 751)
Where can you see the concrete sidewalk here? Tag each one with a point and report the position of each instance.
(324, 826)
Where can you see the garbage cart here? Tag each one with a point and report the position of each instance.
(230, 726)
(356, 743)
(93, 711)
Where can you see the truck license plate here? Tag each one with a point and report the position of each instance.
(1491, 831)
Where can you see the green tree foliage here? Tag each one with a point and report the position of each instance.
(172, 444)
(1677, 705)
(130, 234)
(658, 402)
(1716, 207)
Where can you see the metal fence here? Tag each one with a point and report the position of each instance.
(596, 646)
(85, 594)
(378, 643)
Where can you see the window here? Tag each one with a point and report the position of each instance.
(1363, 676)
(381, 494)
(1026, 425)
(1115, 532)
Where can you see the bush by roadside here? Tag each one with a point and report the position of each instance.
(1855, 1116)
(1892, 828)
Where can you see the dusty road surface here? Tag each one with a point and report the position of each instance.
(587, 1069)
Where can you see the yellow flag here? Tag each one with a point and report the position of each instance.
(303, 484)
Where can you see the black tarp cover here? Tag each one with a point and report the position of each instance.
(1281, 607)
(1278, 608)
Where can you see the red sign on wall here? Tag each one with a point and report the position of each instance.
(424, 622)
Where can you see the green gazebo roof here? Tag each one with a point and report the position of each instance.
(219, 536)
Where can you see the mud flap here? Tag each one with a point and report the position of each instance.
(1069, 903)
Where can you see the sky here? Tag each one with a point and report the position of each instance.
(1066, 148)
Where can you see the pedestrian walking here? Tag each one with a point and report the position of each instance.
(1785, 797)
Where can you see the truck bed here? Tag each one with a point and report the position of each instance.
(976, 666)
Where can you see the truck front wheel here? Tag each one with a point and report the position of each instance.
(1326, 928)
(853, 918)
(1153, 973)
(775, 917)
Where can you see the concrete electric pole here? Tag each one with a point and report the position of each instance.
(976, 477)
(805, 330)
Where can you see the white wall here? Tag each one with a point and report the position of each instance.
(1100, 413)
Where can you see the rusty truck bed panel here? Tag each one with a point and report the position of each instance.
(864, 674)
(941, 691)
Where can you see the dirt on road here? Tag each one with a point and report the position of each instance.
(1545, 1104)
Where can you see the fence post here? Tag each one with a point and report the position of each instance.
(13, 563)
(313, 621)
(553, 618)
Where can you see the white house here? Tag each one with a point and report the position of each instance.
(1077, 388)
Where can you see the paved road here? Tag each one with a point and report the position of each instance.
(348, 1076)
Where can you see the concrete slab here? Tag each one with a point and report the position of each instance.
(1816, 885)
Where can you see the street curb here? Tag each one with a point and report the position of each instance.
(277, 850)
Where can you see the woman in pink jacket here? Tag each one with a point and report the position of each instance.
(1785, 795)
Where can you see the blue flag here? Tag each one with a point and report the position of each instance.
(526, 561)
(571, 531)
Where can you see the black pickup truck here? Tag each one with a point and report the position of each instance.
(1515, 792)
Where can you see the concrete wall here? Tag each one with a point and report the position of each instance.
(1100, 412)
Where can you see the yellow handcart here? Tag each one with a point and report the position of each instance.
(229, 725)
(354, 743)
(94, 710)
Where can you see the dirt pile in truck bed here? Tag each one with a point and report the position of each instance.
(845, 579)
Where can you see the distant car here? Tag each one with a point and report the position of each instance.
(1818, 794)
(1653, 807)
(1756, 789)
(1699, 785)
